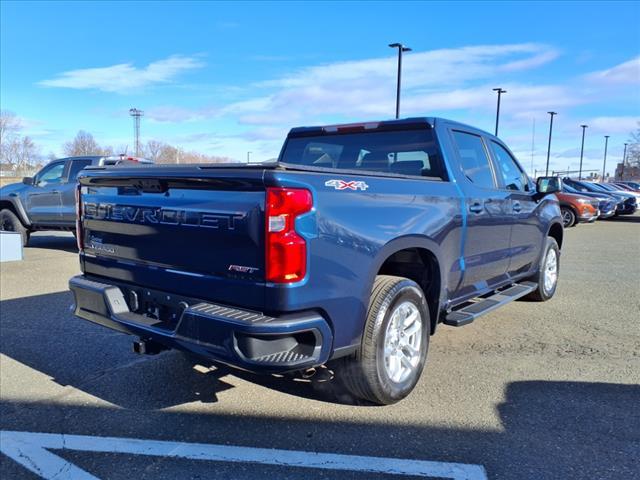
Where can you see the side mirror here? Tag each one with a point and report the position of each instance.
(27, 180)
(546, 185)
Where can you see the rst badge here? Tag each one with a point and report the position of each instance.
(344, 185)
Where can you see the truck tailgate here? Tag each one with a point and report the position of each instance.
(195, 236)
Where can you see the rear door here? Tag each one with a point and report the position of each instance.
(526, 236)
(68, 189)
(43, 198)
(488, 216)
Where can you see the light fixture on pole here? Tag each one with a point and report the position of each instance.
(584, 127)
(136, 114)
(500, 92)
(401, 49)
(604, 164)
(549, 145)
(624, 157)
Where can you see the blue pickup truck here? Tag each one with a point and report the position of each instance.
(350, 249)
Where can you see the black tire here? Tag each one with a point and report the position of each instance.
(542, 294)
(568, 217)
(10, 223)
(365, 374)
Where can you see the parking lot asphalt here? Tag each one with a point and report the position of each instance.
(531, 391)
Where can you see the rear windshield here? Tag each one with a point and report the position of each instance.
(407, 152)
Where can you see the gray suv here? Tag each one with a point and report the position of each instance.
(47, 200)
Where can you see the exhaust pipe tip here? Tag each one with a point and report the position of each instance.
(148, 347)
(308, 373)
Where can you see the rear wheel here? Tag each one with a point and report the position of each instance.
(547, 277)
(568, 217)
(394, 345)
(9, 222)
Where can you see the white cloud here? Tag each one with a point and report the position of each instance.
(124, 77)
(366, 88)
(174, 114)
(624, 73)
(613, 125)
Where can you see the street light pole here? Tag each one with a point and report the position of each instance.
(248, 156)
(584, 127)
(401, 49)
(604, 164)
(624, 157)
(549, 145)
(500, 92)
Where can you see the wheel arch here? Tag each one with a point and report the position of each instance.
(17, 209)
(556, 231)
(416, 258)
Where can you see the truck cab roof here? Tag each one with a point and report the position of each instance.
(398, 124)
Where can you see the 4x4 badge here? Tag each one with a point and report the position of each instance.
(344, 185)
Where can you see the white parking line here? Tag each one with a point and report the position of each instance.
(31, 451)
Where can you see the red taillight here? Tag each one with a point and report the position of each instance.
(79, 238)
(286, 250)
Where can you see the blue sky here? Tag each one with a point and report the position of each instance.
(227, 78)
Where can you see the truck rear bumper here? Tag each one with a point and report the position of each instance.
(241, 338)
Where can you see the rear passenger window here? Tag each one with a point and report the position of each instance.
(405, 152)
(514, 178)
(473, 158)
(321, 154)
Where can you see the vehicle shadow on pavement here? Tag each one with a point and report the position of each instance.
(42, 333)
(65, 243)
(550, 430)
(627, 218)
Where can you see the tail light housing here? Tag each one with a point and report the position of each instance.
(286, 249)
(79, 235)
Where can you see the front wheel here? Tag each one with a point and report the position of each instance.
(10, 223)
(547, 276)
(394, 345)
(568, 217)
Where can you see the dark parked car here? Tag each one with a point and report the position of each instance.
(626, 203)
(351, 248)
(47, 200)
(606, 204)
(634, 185)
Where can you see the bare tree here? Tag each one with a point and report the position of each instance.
(9, 136)
(26, 153)
(633, 150)
(83, 144)
(153, 150)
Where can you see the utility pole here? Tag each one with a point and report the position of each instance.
(549, 145)
(248, 156)
(500, 92)
(401, 49)
(624, 157)
(584, 127)
(136, 114)
(533, 141)
(604, 164)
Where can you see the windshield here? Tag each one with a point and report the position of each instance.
(408, 152)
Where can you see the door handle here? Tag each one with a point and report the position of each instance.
(55, 191)
(476, 208)
(517, 207)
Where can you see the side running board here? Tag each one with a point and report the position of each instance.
(468, 313)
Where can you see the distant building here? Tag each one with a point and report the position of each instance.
(7, 170)
(628, 172)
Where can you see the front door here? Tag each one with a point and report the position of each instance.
(43, 198)
(526, 236)
(488, 218)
